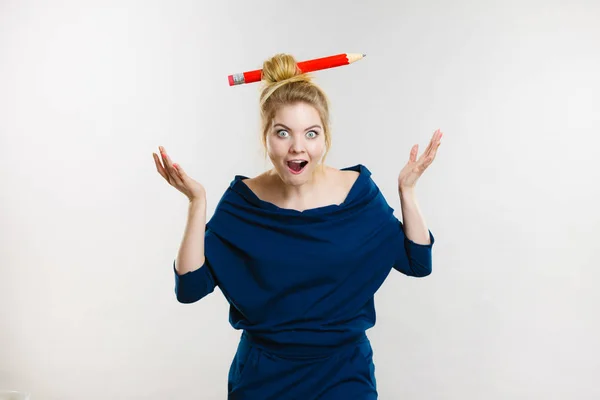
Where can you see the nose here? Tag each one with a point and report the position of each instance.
(297, 145)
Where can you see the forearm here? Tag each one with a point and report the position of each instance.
(415, 227)
(191, 251)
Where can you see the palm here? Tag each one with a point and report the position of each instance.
(414, 168)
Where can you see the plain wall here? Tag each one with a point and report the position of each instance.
(89, 89)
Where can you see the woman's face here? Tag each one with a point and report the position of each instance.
(296, 142)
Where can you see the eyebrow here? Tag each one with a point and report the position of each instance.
(310, 127)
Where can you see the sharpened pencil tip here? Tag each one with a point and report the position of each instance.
(364, 55)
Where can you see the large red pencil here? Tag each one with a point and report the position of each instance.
(305, 66)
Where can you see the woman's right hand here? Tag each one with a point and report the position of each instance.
(176, 177)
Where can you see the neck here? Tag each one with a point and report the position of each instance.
(297, 194)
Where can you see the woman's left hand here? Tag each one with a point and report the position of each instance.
(413, 170)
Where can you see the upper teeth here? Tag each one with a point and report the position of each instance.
(297, 161)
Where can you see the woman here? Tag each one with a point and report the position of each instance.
(299, 251)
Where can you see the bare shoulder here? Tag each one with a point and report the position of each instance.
(340, 183)
(256, 184)
(346, 178)
(352, 176)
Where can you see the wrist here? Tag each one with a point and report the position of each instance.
(197, 203)
(406, 191)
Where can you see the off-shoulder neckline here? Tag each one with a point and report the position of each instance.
(239, 186)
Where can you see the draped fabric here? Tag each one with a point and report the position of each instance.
(303, 279)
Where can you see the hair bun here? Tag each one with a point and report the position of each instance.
(278, 71)
(279, 68)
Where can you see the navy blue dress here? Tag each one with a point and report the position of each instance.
(301, 287)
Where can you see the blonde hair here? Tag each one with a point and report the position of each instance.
(285, 84)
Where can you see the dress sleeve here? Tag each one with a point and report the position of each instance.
(193, 286)
(412, 259)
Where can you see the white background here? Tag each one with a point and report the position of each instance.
(89, 89)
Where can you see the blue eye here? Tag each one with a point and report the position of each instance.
(281, 132)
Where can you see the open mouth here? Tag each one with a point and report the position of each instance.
(296, 167)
